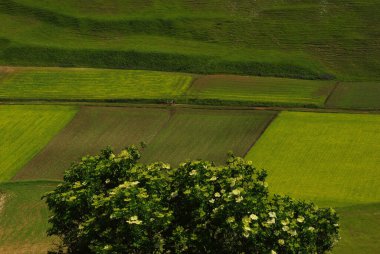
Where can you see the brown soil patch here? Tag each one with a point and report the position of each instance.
(7, 69)
(26, 249)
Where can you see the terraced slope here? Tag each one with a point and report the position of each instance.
(307, 39)
(26, 130)
(23, 218)
(90, 84)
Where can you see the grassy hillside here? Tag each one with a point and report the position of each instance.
(306, 39)
(325, 157)
(25, 130)
(23, 217)
(260, 91)
(88, 84)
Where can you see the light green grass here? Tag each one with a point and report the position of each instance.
(261, 90)
(364, 95)
(333, 160)
(24, 217)
(25, 130)
(206, 134)
(330, 158)
(91, 130)
(86, 84)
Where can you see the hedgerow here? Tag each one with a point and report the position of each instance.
(48, 56)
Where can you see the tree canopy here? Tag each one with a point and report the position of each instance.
(113, 204)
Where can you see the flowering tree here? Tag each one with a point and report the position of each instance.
(112, 204)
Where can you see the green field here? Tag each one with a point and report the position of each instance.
(277, 38)
(25, 130)
(103, 57)
(329, 158)
(90, 131)
(260, 91)
(87, 84)
(333, 160)
(362, 95)
(23, 217)
(207, 134)
(171, 135)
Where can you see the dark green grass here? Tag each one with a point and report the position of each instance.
(24, 217)
(171, 135)
(90, 131)
(360, 229)
(363, 95)
(304, 39)
(87, 84)
(207, 134)
(260, 91)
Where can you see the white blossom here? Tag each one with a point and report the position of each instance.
(253, 216)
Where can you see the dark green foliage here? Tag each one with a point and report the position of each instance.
(20, 55)
(112, 204)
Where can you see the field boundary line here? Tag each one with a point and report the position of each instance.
(266, 125)
(193, 106)
(332, 92)
(13, 179)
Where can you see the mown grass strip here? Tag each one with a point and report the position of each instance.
(260, 91)
(87, 84)
(25, 130)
